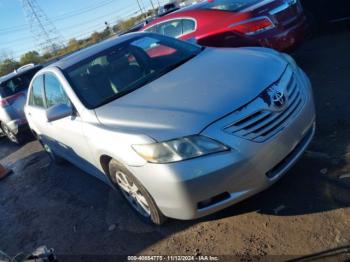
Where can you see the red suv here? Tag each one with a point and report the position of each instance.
(279, 24)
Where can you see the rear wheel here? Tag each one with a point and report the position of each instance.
(136, 195)
(15, 138)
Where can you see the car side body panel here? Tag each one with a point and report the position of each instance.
(215, 28)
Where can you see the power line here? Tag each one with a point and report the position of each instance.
(97, 28)
(76, 25)
(11, 30)
(45, 33)
(66, 40)
(60, 17)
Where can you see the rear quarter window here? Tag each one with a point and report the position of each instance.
(17, 83)
(188, 25)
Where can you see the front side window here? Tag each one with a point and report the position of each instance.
(126, 67)
(54, 92)
(152, 29)
(36, 95)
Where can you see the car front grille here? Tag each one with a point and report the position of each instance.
(258, 121)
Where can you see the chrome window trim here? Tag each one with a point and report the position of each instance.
(177, 18)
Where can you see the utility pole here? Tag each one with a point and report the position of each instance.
(46, 36)
(152, 5)
(154, 10)
(138, 3)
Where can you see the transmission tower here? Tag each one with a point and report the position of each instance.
(46, 35)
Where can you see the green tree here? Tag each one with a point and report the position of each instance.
(7, 66)
(73, 45)
(31, 57)
(95, 37)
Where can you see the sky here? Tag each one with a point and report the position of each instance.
(72, 18)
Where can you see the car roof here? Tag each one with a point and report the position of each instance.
(87, 52)
(17, 72)
(195, 6)
(184, 11)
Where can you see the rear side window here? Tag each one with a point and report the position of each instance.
(36, 95)
(174, 28)
(188, 25)
(54, 92)
(17, 84)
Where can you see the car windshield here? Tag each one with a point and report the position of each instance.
(126, 67)
(17, 84)
(228, 5)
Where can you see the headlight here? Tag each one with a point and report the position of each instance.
(290, 60)
(179, 149)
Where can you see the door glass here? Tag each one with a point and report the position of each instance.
(172, 28)
(153, 29)
(54, 91)
(188, 26)
(36, 98)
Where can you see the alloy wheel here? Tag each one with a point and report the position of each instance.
(133, 194)
(9, 134)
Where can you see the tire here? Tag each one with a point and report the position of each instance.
(53, 157)
(2, 134)
(15, 138)
(135, 194)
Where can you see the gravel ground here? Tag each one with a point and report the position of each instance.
(305, 212)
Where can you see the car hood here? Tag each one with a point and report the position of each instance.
(192, 96)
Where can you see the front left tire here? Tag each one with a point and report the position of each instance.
(53, 157)
(135, 194)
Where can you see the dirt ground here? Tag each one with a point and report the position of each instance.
(305, 212)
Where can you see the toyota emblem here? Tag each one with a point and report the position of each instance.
(277, 98)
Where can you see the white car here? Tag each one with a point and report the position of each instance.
(181, 130)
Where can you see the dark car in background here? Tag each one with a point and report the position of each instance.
(326, 12)
(279, 24)
(13, 94)
(168, 8)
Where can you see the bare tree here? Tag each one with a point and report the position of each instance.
(6, 54)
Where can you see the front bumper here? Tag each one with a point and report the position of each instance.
(201, 186)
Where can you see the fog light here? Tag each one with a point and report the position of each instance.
(213, 200)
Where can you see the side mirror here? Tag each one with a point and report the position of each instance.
(58, 111)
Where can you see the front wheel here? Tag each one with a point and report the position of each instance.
(136, 195)
(54, 158)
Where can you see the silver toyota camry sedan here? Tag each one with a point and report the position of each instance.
(181, 130)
